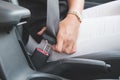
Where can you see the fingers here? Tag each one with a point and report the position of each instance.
(41, 31)
(69, 48)
(65, 47)
(59, 45)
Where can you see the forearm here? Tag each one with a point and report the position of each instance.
(77, 5)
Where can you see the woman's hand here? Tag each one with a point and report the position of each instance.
(67, 35)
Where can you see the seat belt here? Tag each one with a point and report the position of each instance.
(52, 17)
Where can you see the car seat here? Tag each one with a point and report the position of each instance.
(15, 64)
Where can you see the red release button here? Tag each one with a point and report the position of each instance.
(42, 51)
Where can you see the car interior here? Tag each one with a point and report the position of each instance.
(16, 63)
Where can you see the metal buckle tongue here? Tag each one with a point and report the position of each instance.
(44, 47)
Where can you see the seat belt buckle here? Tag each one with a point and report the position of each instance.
(41, 54)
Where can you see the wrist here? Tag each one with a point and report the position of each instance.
(73, 17)
(76, 14)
